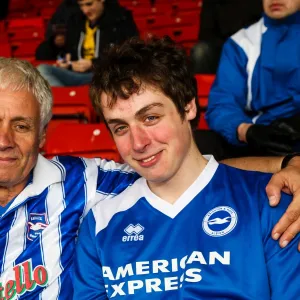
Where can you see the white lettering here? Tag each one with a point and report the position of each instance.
(123, 271)
(192, 275)
(171, 283)
(196, 256)
(213, 256)
(174, 263)
(118, 290)
(134, 285)
(183, 262)
(106, 271)
(153, 284)
(160, 265)
(142, 267)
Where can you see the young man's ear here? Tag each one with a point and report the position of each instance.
(191, 110)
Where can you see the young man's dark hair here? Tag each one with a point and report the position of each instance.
(157, 63)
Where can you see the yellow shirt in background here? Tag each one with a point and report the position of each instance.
(89, 41)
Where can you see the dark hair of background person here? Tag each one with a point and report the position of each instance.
(4, 4)
(160, 63)
(219, 19)
(222, 18)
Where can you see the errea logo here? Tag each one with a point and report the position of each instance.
(133, 233)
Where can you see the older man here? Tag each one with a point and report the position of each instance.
(43, 201)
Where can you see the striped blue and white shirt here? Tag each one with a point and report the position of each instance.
(39, 229)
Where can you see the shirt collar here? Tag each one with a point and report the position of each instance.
(45, 173)
(293, 19)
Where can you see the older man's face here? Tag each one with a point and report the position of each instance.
(19, 137)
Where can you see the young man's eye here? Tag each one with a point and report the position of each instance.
(151, 119)
(120, 129)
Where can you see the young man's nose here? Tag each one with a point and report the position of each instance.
(139, 139)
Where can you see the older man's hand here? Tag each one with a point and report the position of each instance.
(288, 181)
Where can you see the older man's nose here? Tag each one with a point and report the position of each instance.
(6, 139)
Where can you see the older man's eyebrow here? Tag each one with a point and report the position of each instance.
(25, 119)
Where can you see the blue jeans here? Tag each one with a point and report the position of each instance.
(62, 77)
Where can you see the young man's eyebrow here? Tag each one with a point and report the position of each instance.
(115, 121)
(143, 110)
(138, 114)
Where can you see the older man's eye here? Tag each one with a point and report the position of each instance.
(22, 128)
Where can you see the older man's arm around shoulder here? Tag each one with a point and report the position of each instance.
(285, 179)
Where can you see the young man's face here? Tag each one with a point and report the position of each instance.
(19, 136)
(278, 9)
(92, 9)
(150, 134)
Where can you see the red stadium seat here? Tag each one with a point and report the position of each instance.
(23, 14)
(2, 27)
(47, 12)
(181, 34)
(202, 125)
(5, 50)
(204, 83)
(87, 140)
(73, 102)
(180, 6)
(45, 3)
(17, 5)
(3, 38)
(30, 34)
(25, 49)
(21, 24)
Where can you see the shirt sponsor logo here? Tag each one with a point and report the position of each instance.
(219, 221)
(36, 224)
(133, 233)
(162, 275)
(25, 279)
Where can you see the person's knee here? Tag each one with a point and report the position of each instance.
(44, 69)
(200, 51)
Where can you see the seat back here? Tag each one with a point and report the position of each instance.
(87, 140)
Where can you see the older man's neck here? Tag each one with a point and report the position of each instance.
(8, 193)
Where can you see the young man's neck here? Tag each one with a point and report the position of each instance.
(172, 189)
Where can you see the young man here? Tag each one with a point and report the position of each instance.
(254, 103)
(190, 228)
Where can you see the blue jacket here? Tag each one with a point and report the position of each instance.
(258, 79)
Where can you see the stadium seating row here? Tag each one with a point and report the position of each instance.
(73, 129)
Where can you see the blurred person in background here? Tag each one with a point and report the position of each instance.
(219, 19)
(97, 25)
(254, 103)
